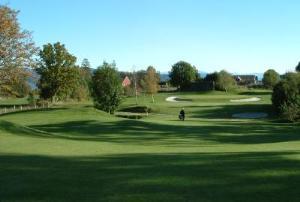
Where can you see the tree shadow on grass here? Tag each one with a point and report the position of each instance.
(269, 176)
(256, 93)
(147, 133)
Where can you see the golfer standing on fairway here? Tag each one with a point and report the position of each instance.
(182, 114)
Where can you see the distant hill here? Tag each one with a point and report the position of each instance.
(164, 77)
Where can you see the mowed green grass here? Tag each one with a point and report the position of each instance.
(77, 153)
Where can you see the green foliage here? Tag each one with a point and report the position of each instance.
(21, 87)
(59, 75)
(151, 80)
(183, 74)
(83, 86)
(225, 81)
(298, 67)
(31, 99)
(290, 111)
(271, 78)
(107, 88)
(81, 92)
(86, 71)
(135, 77)
(286, 95)
(129, 91)
(213, 77)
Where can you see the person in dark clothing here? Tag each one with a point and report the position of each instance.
(182, 114)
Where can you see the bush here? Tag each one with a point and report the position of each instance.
(286, 96)
(129, 91)
(31, 99)
(225, 81)
(290, 111)
(222, 81)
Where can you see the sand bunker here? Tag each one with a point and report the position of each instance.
(250, 115)
(253, 99)
(172, 99)
(177, 99)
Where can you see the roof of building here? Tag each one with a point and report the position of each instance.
(126, 82)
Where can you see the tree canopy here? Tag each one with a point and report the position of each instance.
(271, 78)
(151, 80)
(107, 88)
(286, 96)
(59, 74)
(225, 81)
(183, 74)
(17, 52)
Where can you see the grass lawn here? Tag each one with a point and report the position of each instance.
(76, 153)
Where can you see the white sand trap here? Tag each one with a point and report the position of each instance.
(250, 115)
(253, 99)
(172, 99)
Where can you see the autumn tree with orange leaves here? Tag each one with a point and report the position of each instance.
(17, 52)
(151, 80)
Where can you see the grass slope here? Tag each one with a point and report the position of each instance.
(76, 153)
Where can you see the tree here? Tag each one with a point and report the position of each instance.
(86, 70)
(225, 81)
(212, 78)
(16, 51)
(183, 74)
(83, 89)
(59, 75)
(271, 78)
(107, 88)
(151, 82)
(298, 67)
(286, 96)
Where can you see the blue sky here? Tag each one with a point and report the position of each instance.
(241, 36)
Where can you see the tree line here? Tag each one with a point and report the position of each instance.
(60, 78)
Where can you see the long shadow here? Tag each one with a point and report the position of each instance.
(137, 132)
(245, 177)
(256, 93)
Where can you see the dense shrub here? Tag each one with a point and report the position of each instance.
(290, 111)
(222, 81)
(225, 81)
(286, 96)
